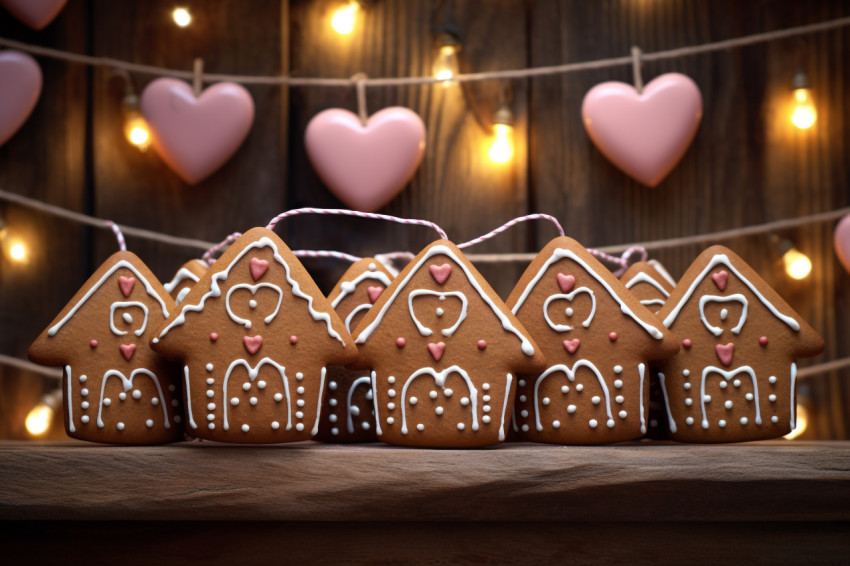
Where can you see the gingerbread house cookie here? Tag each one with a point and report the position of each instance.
(597, 339)
(347, 407)
(186, 277)
(115, 388)
(734, 378)
(651, 283)
(255, 335)
(444, 351)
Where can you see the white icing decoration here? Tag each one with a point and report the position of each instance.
(348, 287)
(724, 259)
(427, 331)
(571, 376)
(720, 299)
(793, 403)
(642, 371)
(569, 297)
(527, 348)
(252, 375)
(727, 375)
(315, 428)
(215, 291)
(128, 384)
(663, 272)
(125, 304)
(504, 407)
(253, 289)
(642, 277)
(440, 380)
(670, 421)
(182, 275)
(127, 317)
(182, 295)
(353, 313)
(70, 405)
(375, 404)
(561, 253)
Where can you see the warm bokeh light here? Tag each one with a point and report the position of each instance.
(136, 131)
(797, 264)
(800, 425)
(181, 17)
(39, 419)
(446, 64)
(18, 251)
(345, 18)
(804, 115)
(502, 149)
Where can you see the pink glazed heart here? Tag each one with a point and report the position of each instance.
(20, 77)
(645, 134)
(34, 13)
(365, 167)
(196, 136)
(842, 241)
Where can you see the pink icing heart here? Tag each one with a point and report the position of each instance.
(196, 136)
(725, 353)
(841, 240)
(21, 78)
(34, 13)
(127, 350)
(572, 345)
(720, 279)
(645, 134)
(374, 293)
(258, 267)
(252, 343)
(126, 284)
(437, 350)
(440, 273)
(365, 166)
(566, 282)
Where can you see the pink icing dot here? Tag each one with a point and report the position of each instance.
(612, 337)
(763, 340)
(93, 343)
(213, 336)
(482, 344)
(687, 343)
(293, 339)
(400, 342)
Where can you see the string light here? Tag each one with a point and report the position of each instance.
(181, 17)
(345, 17)
(446, 65)
(40, 417)
(14, 247)
(136, 129)
(800, 424)
(797, 264)
(804, 114)
(502, 149)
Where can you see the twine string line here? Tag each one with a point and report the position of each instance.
(636, 70)
(345, 212)
(122, 244)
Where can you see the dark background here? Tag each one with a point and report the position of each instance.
(747, 164)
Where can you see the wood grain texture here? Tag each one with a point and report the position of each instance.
(770, 481)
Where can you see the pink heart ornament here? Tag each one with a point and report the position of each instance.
(646, 134)
(21, 80)
(34, 13)
(842, 241)
(365, 166)
(196, 136)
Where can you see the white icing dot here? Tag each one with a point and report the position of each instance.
(460, 426)
(689, 401)
(592, 423)
(556, 424)
(440, 311)
(234, 401)
(171, 388)
(108, 401)
(486, 386)
(772, 379)
(579, 387)
(486, 398)
(772, 398)
(447, 392)
(707, 398)
(365, 425)
(209, 367)
(252, 303)
(299, 427)
(85, 392)
(121, 396)
(84, 404)
(721, 423)
(686, 372)
(728, 404)
(565, 389)
(724, 314)
(149, 423)
(300, 390)
(595, 399)
(571, 409)
(211, 417)
(120, 426)
(372, 267)
(83, 379)
(355, 410)
(137, 394)
(464, 401)
(211, 426)
(486, 419)
(210, 406)
(569, 311)
(524, 413)
(390, 420)
(391, 380)
(332, 385)
(210, 394)
(275, 425)
(723, 385)
(127, 318)
(525, 428)
(546, 401)
(486, 408)
(210, 381)
(84, 419)
(175, 402)
(749, 396)
(689, 420)
(619, 399)
(438, 411)
(420, 427)
(332, 402)
(253, 401)
(279, 397)
(774, 419)
(618, 383)
(413, 400)
(744, 420)
(523, 398)
(618, 369)
(299, 376)
(299, 415)
(391, 393)
(737, 383)
(300, 403)
(245, 428)
(432, 395)
(687, 386)
(332, 418)
(261, 384)
(390, 406)
(177, 419)
(610, 423)
(334, 431)
(246, 386)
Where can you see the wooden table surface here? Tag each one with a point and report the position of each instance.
(764, 496)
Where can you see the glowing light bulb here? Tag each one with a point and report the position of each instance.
(345, 17)
(446, 66)
(136, 130)
(502, 149)
(804, 114)
(181, 17)
(800, 424)
(797, 264)
(39, 419)
(18, 251)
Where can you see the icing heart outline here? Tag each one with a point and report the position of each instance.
(22, 80)
(440, 273)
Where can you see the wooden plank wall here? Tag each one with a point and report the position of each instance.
(746, 165)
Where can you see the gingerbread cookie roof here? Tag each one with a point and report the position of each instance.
(649, 282)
